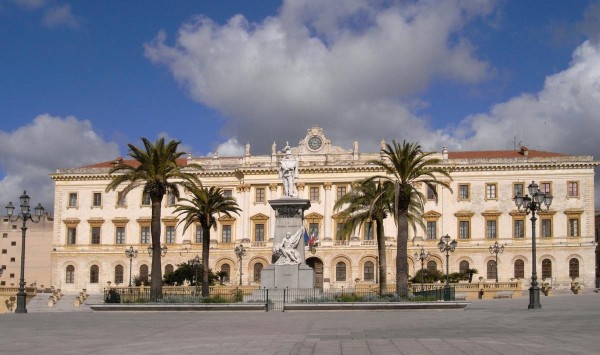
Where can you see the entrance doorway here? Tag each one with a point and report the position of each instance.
(317, 265)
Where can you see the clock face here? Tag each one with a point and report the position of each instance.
(315, 143)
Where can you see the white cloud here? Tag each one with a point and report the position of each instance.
(335, 64)
(60, 16)
(229, 148)
(32, 152)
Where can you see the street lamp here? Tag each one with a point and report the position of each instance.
(163, 250)
(195, 262)
(445, 245)
(240, 251)
(422, 256)
(25, 216)
(530, 205)
(496, 249)
(130, 253)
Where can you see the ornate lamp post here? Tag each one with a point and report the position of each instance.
(496, 249)
(532, 203)
(240, 252)
(445, 245)
(422, 256)
(195, 262)
(163, 250)
(25, 216)
(130, 253)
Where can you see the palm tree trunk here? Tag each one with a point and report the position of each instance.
(401, 253)
(382, 259)
(205, 250)
(156, 281)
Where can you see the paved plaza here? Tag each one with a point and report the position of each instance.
(567, 324)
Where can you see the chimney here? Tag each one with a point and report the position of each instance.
(445, 153)
(524, 151)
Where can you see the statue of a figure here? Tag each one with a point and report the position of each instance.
(288, 171)
(287, 250)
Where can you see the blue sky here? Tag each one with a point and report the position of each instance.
(81, 79)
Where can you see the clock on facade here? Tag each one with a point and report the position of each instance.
(315, 142)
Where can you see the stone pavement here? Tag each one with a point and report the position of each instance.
(567, 324)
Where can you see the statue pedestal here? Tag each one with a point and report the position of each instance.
(289, 217)
(287, 276)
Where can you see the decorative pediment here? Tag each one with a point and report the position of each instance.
(144, 220)
(170, 220)
(464, 214)
(259, 217)
(94, 222)
(313, 215)
(120, 221)
(432, 215)
(573, 212)
(71, 222)
(517, 213)
(315, 142)
(338, 216)
(225, 218)
(491, 213)
(547, 213)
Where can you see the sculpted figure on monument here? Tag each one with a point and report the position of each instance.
(287, 250)
(288, 172)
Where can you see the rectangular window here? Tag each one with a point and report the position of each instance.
(13, 244)
(4, 235)
(71, 236)
(97, 199)
(464, 230)
(4, 251)
(121, 199)
(313, 229)
(120, 235)
(145, 235)
(430, 193)
(199, 234)
(314, 194)
(226, 237)
(431, 230)
(338, 228)
(341, 191)
(73, 199)
(519, 229)
(572, 189)
(171, 199)
(573, 227)
(490, 229)
(170, 235)
(260, 195)
(259, 232)
(463, 192)
(546, 228)
(369, 231)
(95, 235)
(146, 201)
(518, 189)
(545, 187)
(491, 191)
(228, 193)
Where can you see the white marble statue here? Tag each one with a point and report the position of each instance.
(287, 250)
(288, 171)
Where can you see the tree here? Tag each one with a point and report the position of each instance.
(156, 168)
(186, 272)
(406, 165)
(201, 209)
(367, 202)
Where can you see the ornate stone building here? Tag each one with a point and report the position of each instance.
(93, 228)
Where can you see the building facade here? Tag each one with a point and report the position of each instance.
(92, 228)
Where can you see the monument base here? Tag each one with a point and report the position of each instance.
(290, 276)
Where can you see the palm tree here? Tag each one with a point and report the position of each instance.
(367, 202)
(406, 165)
(157, 169)
(201, 208)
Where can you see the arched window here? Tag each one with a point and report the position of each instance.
(340, 271)
(94, 274)
(519, 269)
(463, 267)
(225, 268)
(431, 265)
(118, 274)
(492, 270)
(546, 269)
(257, 271)
(168, 269)
(144, 274)
(574, 268)
(369, 271)
(70, 274)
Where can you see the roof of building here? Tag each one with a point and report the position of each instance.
(495, 154)
(131, 162)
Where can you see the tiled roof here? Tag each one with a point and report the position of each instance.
(131, 162)
(499, 154)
